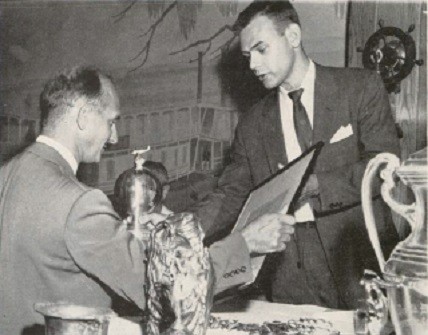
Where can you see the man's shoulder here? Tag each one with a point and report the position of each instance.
(43, 171)
(253, 114)
(347, 74)
(37, 180)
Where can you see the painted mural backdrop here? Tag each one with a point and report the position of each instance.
(177, 66)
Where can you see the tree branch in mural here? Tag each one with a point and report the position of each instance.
(151, 32)
(187, 15)
(121, 15)
(208, 41)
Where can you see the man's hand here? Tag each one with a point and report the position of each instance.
(269, 233)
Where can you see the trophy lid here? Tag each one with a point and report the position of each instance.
(415, 168)
(418, 158)
(410, 257)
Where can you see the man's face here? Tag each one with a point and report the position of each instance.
(101, 127)
(270, 55)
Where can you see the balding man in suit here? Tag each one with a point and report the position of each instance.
(61, 240)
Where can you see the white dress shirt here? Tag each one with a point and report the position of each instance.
(292, 147)
(62, 150)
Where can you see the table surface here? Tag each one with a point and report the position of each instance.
(256, 311)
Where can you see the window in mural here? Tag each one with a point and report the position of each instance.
(110, 169)
(217, 149)
(175, 157)
(141, 123)
(183, 123)
(155, 128)
(184, 154)
(163, 157)
(127, 125)
(126, 136)
(169, 126)
(207, 116)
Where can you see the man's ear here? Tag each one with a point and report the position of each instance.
(293, 33)
(82, 117)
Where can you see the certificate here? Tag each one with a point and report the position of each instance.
(276, 194)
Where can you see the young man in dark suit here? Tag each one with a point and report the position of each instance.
(61, 240)
(348, 110)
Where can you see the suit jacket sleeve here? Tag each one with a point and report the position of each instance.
(101, 246)
(219, 210)
(376, 133)
(231, 262)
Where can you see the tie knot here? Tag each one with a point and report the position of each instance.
(296, 95)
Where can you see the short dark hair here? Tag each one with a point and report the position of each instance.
(281, 12)
(158, 169)
(64, 89)
(122, 196)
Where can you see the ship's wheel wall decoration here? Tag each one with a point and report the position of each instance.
(392, 53)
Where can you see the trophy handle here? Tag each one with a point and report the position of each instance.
(406, 211)
(392, 162)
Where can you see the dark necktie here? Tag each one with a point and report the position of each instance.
(301, 120)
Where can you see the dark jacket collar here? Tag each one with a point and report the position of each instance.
(326, 100)
(326, 95)
(272, 133)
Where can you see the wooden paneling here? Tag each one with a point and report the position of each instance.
(362, 23)
(421, 120)
(410, 105)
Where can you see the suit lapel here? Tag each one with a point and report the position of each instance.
(326, 111)
(326, 101)
(271, 133)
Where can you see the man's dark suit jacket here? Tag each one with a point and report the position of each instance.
(342, 97)
(62, 241)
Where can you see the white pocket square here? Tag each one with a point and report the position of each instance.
(342, 133)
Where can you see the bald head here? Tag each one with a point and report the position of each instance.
(71, 88)
(79, 108)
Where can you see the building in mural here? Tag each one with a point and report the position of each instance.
(191, 136)
(185, 139)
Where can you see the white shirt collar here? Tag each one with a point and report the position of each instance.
(62, 150)
(308, 80)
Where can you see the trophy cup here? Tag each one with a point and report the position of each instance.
(405, 273)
